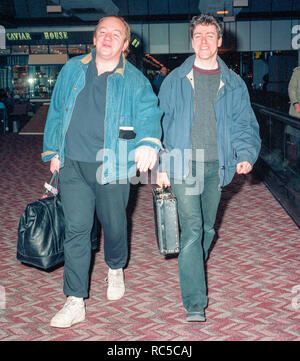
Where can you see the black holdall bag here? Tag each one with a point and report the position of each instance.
(166, 221)
(41, 230)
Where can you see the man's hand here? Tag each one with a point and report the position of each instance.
(243, 168)
(145, 158)
(54, 165)
(162, 180)
(297, 108)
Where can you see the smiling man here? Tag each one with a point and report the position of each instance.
(102, 110)
(208, 117)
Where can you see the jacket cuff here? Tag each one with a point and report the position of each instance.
(150, 142)
(245, 158)
(48, 155)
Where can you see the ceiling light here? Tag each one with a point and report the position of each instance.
(229, 19)
(54, 9)
(240, 3)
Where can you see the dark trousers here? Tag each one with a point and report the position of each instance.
(81, 194)
(197, 213)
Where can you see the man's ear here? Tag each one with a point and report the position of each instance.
(220, 40)
(126, 45)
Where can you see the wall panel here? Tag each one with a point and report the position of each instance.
(243, 36)
(159, 38)
(260, 36)
(179, 38)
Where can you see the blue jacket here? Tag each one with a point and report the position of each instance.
(130, 102)
(237, 127)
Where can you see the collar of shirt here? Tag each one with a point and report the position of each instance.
(205, 71)
(93, 68)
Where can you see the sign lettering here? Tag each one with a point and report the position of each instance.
(57, 35)
(18, 36)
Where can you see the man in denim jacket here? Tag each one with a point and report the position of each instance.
(211, 131)
(103, 124)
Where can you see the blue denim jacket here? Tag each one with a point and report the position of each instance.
(237, 127)
(130, 102)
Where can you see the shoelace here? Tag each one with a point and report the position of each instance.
(114, 280)
(70, 303)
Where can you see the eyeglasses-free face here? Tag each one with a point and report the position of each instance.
(205, 43)
(110, 39)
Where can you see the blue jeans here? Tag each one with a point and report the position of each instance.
(197, 215)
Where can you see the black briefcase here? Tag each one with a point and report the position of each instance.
(166, 221)
(41, 231)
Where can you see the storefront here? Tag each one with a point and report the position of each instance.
(31, 61)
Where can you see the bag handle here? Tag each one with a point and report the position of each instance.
(54, 174)
(49, 187)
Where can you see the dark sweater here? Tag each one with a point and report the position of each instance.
(204, 130)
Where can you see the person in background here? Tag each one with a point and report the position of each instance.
(293, 146)
(159, 78)
(207, 111)
(103, 124)
(294, 93)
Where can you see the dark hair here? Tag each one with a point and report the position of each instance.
(207, 19)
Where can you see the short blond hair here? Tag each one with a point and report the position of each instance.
(127, 28)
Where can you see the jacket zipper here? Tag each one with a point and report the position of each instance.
(223, 166)
(191, 80)
(102, 175)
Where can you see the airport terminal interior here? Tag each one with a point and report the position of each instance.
(253, 272)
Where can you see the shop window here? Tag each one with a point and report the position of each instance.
(20, 84)
(89, 47)
(76, 49)
(5, 77)
(39, 49)
(58, 49)
(20, 49)
(41, 80)
(5, 51)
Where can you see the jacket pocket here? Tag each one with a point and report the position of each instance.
(126, 133)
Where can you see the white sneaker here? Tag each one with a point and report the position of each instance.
(116, 285)
(72, 312)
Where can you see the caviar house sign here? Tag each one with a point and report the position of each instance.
(18, 36)
(49, 37)
(46, 35)
(59, 35)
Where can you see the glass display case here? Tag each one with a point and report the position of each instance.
(41, 80)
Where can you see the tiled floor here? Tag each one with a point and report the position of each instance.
(253, 271)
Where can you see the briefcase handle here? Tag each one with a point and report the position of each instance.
(164, 192)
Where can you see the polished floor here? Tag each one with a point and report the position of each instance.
(253, 272)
